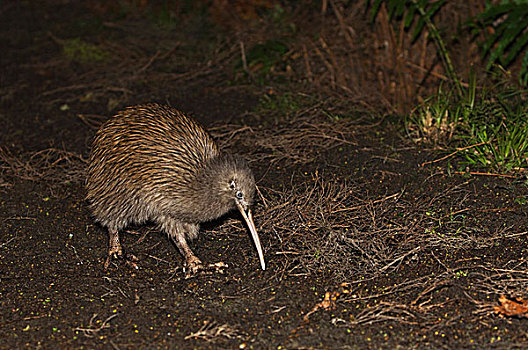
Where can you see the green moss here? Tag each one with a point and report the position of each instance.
(285, 103)
(83, 52)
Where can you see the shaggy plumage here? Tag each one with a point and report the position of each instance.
(153, 163)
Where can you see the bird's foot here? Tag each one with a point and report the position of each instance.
(195, 266)
(118, 255)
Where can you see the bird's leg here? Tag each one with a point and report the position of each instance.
(191, 231)
(179, 232)
(114, 247)
(176, 230)
(192, 263)
(115, 251)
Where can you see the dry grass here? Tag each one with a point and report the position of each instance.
(333, 230)
(353, 55)
(95, 326)
(299, 140)
(418, 249)
(373, 64)
(212, 331)
(129, 62)
(51, 164)
(329, 228)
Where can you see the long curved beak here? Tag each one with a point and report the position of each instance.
(249, 220)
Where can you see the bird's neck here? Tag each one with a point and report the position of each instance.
(210, 189)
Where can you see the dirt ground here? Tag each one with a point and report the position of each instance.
(369, 242)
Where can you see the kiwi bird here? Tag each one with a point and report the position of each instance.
(153, 163)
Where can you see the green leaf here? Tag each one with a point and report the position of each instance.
(375, 9)
(409, 18)
(523, 76)
(418, 29)
(494, 12)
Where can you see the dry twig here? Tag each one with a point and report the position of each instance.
(211, 331)
(95, 326)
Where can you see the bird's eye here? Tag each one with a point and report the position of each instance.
(239, 195)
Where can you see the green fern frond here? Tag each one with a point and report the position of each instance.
(421, 12)
(510, 21)
(410, 10)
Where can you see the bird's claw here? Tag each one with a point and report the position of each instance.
(195, 267)
(129, 259)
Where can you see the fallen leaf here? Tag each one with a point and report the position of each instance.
(512, 307)
(329, 300)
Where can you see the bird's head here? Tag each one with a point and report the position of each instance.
(237, 189)
(241, 188)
